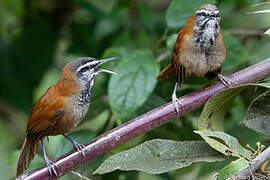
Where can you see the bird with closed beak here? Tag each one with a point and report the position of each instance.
(60, 109)
(198, 51)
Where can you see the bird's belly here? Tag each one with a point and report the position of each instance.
(78, 114)
(71, 119)
(214, 60)
(198, 64)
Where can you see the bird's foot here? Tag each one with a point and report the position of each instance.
(76, 146)
(176, 103)
(226, 81)
(79, 147)
(51, 167)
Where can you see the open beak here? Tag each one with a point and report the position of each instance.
(98, 70)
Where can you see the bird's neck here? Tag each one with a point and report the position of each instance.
(84, 94)
(205, 35)
(68, 84)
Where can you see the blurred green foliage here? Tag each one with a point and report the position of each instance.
(38, 37)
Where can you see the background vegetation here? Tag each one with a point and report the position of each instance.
(37, 38)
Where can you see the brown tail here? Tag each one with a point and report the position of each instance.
(165, 73)
(27, 153)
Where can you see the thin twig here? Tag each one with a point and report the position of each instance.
(163, 56)
(79, 175)
(260, 4)
(260, 12)
(111, 122)
(254, 165)
(147, 122)
(161, 40)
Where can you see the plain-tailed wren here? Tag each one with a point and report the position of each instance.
(198, 51)
(60, 109)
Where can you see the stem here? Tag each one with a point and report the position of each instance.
(253, 165)
(161, 40)
(147, 122)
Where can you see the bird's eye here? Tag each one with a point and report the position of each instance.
(90, 67)
(84, 69)
(202, 13)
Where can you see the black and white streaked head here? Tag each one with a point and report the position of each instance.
(206, 27)
(86, 69)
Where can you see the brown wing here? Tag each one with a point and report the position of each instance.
(45, 113)
(176, 68)
(179, 55)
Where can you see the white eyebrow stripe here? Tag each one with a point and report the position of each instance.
(85, 65)
(204, 10)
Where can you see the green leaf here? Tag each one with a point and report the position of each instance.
(267, 32)
(214, 110)
(50, 77)
(152, 102)
(135, 82)
(237, 54)
(171, 41)
(10, 13)
(81, 136)
(109, 24)
(232, 169)
(226, 8)
(180, 10)
(206, 168)
(143, 40)
(259, 49)
(104, 6)
(258, 114)
(118, 52)
(98, 122)
(12, 159)
(224, 143)
(237, 111)
(129, 144)
(160, 156)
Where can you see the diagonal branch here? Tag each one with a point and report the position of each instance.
(147, 122)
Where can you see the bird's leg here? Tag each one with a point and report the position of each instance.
(50, 165)
(176, 101)
(226, 81)
(77, 146)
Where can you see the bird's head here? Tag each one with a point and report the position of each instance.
(207, 15)
(87, 68)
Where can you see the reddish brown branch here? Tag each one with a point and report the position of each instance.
(148, 121)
